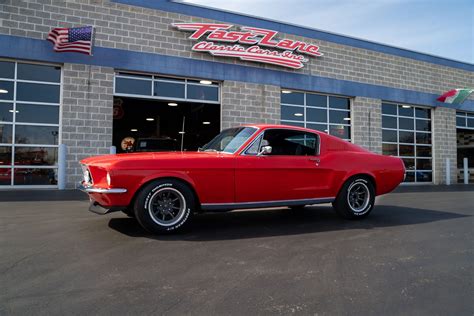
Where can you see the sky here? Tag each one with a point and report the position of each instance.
(441, 28)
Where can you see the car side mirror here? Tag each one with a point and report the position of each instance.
(266, 150)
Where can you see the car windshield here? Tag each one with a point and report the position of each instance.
(230, 140)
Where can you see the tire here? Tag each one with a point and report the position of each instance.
(355, 199)
(164, 206)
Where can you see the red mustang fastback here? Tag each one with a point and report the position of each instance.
(243, 167)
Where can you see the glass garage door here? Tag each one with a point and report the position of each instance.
(29, 124)
(406, 133)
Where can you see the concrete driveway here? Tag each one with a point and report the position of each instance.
(413, 255)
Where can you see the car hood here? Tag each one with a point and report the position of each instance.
(138, 158)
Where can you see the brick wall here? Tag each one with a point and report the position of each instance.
(244, 103)
(146, 30)
(444, 144)
(86, 114)
(366, 118)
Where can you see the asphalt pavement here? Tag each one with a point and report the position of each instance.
(412, 256)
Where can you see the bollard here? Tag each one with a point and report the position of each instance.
(113, 150)
(62, 151)
(465, 171)
(448, 172)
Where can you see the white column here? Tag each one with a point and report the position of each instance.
(466, 171)
(448, 172)
(62, 151)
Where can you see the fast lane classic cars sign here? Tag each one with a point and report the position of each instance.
(261, 45)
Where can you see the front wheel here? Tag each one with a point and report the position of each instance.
(356, 198)
(164, 206)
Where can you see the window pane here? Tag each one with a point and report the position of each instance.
(132, 86)
(196, 92)
(470, 122)
(409, 163)
(318, 127)
(407, 150)
(293, 123)
(316, 100)
(293, 98)
(405, 110)
(423, 125)
(6, 112)
(424, 176)
(423, 138)
(405, 123)
(44, 135)
(36, 156)
(389, 136)
(423, 164)
(389, 109)
(5, 156)
(341, 117)
(389, 121)
(406, 137)
(32, 176)
(39, 73)
(254, 148)
(423, 113)
(316, 115)
(169, 89)
(339, 103)
(37, 92)
(410, 177)
(305, 143)
(6, 86)
(289, 142)
(390, 149)
(33, 113)
(460, 121)
(469, 114)
(5, 133)
(423, 151)
(7, 69)
(5, 176)
(340, 131)
(292, 113)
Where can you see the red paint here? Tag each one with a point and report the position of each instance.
(234, 178)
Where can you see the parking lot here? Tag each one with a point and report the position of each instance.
(413, 255)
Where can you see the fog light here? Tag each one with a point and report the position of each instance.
(108, 179)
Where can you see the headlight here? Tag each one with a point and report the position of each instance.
(86, 175)
(108, 179)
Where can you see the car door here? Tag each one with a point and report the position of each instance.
(291, 171)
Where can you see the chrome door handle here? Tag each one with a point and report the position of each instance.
(316, 161)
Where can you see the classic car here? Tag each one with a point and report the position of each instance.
(251, 166)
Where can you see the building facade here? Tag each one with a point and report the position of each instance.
(149, 82)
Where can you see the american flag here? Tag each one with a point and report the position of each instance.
(76, 39)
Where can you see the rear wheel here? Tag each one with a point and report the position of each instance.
(164, 206)
(356, 198)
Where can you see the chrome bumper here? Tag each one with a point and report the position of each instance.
(92, 189)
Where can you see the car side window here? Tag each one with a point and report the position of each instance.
(290, 142)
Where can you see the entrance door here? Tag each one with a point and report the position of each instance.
(290, 172)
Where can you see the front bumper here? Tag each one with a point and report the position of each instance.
(92, 189)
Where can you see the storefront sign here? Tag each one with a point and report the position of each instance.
(256, 41)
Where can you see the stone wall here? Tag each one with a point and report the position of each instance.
(366, 119)
(86, 114)
(444, 144)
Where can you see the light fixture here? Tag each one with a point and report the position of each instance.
(285, 91)
(11, 111)
(347, 119)
(298, 114)
(150, 119)
(205, 82)
(3, 91)
(134, 130)
(327, 131)
(206, 123)
(173, 104)
(406, 106)
(181, 132)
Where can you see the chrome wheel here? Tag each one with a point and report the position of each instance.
(358, 197)
(167, 206)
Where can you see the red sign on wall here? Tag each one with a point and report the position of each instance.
(260, 44)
